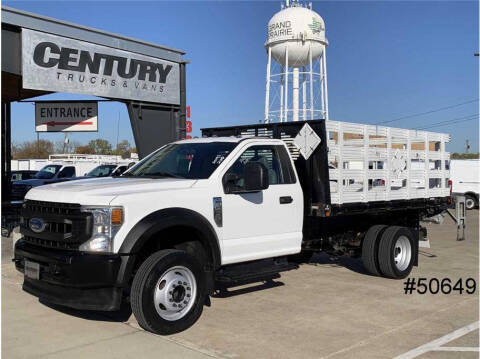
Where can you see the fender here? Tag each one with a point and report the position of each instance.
(171, 217)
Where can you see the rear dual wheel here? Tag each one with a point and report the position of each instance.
(389, 251)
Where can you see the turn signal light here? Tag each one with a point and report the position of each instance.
(117, 216)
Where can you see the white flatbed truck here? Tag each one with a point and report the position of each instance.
(241, 204)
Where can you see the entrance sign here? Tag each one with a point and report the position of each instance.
(58, 64)
(66, 116)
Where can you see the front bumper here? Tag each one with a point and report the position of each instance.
(74, 279)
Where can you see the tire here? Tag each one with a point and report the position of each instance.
(370, 249)
(396, 252)
(470, 202)
(164, 282)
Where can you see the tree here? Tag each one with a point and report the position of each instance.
(70, 147)
(96, 147)
(85, 150)
(123, 149)
(32, 149)
(101, 147)
(463, 156)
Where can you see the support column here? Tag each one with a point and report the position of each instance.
(304, 95)
(295, 93)
(282, 79)
(267, 86)
(321, 79)
(325, 93)
(286, 85)
(6, 151)
(311, 81)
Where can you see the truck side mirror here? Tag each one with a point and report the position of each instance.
(256, 177)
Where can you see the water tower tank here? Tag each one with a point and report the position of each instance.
(296, 81)
(298, 28)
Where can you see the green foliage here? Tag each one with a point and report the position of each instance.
(32, 149)
(96, 147)
(44, 148)
(123, 149)
(463, 156)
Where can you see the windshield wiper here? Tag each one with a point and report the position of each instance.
(164, 174)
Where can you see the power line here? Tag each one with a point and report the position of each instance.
(450, 122)
(427, 112)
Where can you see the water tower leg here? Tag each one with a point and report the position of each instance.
(295, 93)
(281, 96)
(285, 112)
(304, 95)
(267, 86)
(325, 93)
(321, 83)
(311, 82)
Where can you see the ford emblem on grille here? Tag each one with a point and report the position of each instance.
(37, 225)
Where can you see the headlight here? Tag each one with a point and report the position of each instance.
(106, 223)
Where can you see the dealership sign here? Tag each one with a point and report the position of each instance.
(55, 63)
(66, 116)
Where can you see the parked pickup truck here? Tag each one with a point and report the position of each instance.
(239, 205)
(51, 173)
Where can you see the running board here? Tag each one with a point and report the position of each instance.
(265, 269)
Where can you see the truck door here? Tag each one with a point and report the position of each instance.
(267, 223)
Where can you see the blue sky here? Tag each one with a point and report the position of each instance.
(385, 60)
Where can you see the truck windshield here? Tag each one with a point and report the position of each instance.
(183, 160)
(48, 171)
(102, 171)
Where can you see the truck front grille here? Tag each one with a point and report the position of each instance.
(19, 191)
(51, 244)
(65, 225)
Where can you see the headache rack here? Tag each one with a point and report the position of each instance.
(360, 167)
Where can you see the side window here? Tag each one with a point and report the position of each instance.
(67, 172)
(273, 158)
(286, 165)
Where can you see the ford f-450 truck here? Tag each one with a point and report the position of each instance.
(239, 205)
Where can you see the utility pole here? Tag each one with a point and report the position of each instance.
(65, 141)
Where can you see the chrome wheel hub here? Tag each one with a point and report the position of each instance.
(469, 203)
(175, 293)
(402, 254)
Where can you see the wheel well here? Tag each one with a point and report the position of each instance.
(179, 237)
(472, 194)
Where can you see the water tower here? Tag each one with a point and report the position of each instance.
(297, 45)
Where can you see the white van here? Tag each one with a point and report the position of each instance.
(465, 177)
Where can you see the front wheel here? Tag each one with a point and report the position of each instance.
(168, 292)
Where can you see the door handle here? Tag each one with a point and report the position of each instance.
(286, 199)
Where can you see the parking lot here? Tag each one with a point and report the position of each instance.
(327, 308)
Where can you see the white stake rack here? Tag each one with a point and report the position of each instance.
(375, 163)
